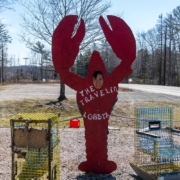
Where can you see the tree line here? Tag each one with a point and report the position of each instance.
(158, 52)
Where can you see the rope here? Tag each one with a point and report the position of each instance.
(81, 117)
(71, 118)
(122, 116)
(26, 127)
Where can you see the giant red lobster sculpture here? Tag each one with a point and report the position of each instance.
(96, 104)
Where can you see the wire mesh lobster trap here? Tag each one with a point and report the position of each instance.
(35, 146)
(157, 154)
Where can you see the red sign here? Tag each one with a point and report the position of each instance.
(95, 102)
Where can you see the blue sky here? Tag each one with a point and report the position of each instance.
(140, 15)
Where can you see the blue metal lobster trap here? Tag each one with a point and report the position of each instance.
(157, 149)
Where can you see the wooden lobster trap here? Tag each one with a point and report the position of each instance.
(35, 144)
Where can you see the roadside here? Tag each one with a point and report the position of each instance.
(51, 92)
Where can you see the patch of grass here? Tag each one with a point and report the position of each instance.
(2, 87)
(8, 109)
(68, 110)
(4, 123)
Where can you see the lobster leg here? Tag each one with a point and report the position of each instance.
(96, 149)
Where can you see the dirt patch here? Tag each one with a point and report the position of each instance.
(125, 89)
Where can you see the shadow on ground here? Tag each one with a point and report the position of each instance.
(135, 177)
(91, 176)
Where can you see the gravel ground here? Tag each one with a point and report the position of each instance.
(120, 150)
(26, 91)
(120, 140)
(73, 152)
(5, 154)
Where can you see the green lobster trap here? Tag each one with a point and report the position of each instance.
(157, 153)
(35, 143)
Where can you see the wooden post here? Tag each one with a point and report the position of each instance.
(49, 149)
(12, 149)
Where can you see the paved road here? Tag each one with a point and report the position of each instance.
(170, 90)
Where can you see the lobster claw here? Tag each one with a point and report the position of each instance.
(120, 38)
(65, 46)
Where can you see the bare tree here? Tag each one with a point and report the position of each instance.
(41, 17)
(6, 4)
(40, 48)
(176, 45)
(4, 39)
(160, 39)
(150, 39)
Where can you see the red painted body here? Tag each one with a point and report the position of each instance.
(96, 104)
